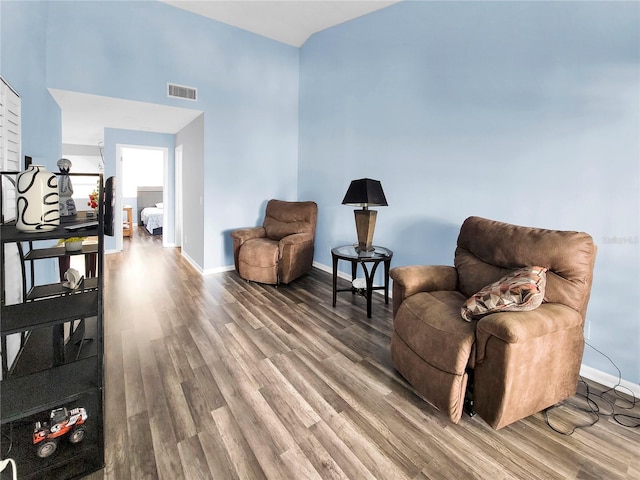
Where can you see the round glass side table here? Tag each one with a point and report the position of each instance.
(373, 259)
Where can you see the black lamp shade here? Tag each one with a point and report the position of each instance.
(365, 193)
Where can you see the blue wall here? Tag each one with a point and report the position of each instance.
(23, 65)
(525, 112)
(247, 86)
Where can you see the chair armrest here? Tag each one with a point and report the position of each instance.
(290, 245)
(296, 239)
(244, 234)
(424, 278)
(520, 327)
(413, 279)
(296, 256)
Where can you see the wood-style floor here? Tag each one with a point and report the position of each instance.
(216, 378)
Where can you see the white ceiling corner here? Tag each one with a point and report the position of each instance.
(287, 21)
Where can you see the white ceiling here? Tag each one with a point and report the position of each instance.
(291, 22)
(84, 116)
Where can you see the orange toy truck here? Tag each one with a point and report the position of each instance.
(46, 435)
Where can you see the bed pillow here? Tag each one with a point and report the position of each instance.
(159, 205)
(520, 290)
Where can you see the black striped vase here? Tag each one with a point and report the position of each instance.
(37, 202)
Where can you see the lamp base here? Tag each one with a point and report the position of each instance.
(365, 226)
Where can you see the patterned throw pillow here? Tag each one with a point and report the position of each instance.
(520, 290)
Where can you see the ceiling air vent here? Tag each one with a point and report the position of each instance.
(180, 91)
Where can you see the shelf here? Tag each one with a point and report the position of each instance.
(9, 233)
(30, 315)
(58, 335)
(69, 460)
(57, 289)
(47, 348)
(55, 252)
(24, 396)
(78, 461)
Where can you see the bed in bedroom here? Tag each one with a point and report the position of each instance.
(150, 209)
(151, 218)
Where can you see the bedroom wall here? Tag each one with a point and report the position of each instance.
(525, 112)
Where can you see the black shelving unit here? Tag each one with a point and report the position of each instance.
(59, 362)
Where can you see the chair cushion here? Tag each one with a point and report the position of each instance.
(260, 252)
(520, 290)
(430, 324)
(487, 250)
(287, 218)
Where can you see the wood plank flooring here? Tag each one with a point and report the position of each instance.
(217, 378)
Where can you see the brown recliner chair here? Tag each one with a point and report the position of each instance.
(281, 249)
(510, 364)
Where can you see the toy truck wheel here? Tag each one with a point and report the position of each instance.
(77, 435)
(47, 448)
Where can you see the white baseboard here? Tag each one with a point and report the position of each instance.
(192, 262)
(609, 380)
(199, 269)
(326, 268)
(211, 271)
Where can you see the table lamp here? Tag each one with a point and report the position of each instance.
(365, 193)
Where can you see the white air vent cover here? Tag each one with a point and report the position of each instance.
(180, 91)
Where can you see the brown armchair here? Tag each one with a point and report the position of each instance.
(281, 250)
(507, 365)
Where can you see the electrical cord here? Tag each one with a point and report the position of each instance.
(633, 421)
(9, 461)
(611, 398)
(591, 409)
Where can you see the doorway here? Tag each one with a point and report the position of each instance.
(140, 166)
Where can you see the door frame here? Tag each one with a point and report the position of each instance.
(178, 188)
(119, 190)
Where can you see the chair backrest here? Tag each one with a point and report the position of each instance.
(488, 250)
(286, 218)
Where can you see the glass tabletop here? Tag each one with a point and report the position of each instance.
(350, 252)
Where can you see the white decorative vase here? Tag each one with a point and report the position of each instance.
(75, 246)
(37, 202)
